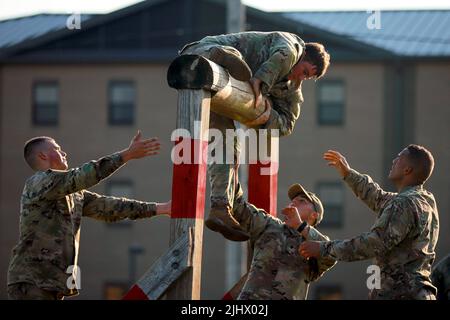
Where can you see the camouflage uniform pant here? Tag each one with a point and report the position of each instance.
(222, 176)
(28, 291)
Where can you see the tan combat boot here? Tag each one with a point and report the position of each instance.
(232, 61)
(220, 220)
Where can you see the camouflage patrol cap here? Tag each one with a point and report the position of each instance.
(297, 189)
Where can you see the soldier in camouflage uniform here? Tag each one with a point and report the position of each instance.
(53, 201)
(277, 270)
(404, 236)
(279, 62)
(441, 278)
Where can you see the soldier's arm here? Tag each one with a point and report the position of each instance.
(58, 184)
(112, 209)
(367, 190)
(323, 263)
(252, 220)
(285, 110)
(61, 183)
(283, 56)
(392, 227)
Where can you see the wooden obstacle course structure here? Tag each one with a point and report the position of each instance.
(203, 86)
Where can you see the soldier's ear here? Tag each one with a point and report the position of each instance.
(408, 170)
(41, 156)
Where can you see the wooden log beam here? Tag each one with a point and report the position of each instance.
(229, 97)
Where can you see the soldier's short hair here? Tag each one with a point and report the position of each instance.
(422, 161)
(316, 54)
(30, 147)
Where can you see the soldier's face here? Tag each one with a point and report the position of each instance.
(303, 70)
(56, 157)
(304, 207)
(399, 164)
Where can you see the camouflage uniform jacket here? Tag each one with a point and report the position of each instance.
(270, 56)
(278, 271)
(51, 208)
(441, 278)
(402, 240)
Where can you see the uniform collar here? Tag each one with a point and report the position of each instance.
(418, 187)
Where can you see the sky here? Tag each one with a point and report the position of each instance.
(17, 8)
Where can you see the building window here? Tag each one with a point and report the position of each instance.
(328, 292)
(331, 102)
(45, 103)
(122, 100)
(120, 189)
(332, 196)
(114, 290)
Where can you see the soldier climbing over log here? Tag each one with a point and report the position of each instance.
(275, 64)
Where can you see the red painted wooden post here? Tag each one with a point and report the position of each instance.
(189, 184)
(263, 180)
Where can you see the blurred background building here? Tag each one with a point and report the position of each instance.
(92, 88)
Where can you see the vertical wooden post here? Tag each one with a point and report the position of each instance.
(263, 178)
(189, 185)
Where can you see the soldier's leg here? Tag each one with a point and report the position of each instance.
(228, 57)
(223, 182)
(28, 291)
(252, 219)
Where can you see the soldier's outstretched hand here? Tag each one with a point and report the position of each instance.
(337, 160)
(140, 148)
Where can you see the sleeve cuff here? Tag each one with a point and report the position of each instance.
(151, 210)
(267, 80)
(117, 159)
(351, 177)
(325, 247)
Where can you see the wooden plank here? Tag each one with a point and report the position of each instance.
(165, 271)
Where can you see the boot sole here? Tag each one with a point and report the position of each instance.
(237, 68)
(217, 225)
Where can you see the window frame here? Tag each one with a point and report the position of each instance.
(341, 221)
(35, 104)
(111, 106)
(320, 105)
